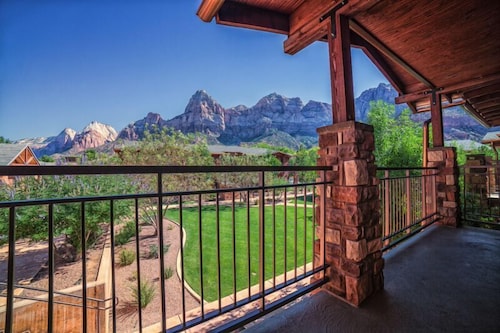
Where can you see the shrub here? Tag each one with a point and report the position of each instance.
(127, 257)
(168, 272)
(153, 251)
(147, 290)
(127, 232)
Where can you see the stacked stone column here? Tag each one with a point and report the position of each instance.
(352, 232)
(447, 188)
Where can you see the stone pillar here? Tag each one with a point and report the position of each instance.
(447, 188)
(352, 230)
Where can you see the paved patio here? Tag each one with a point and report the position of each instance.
(442, 280)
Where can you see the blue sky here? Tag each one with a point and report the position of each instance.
(65, 63)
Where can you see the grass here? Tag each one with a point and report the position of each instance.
(246, 257)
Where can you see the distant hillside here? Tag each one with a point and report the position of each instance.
(274, 119)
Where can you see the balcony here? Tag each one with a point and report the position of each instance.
(240, 249)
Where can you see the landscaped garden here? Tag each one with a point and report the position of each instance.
(239, 262)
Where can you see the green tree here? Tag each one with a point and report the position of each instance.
(32, 221)
(398, 140)
(4, 140)
(167, 147)
(305, 157)
(47, 158)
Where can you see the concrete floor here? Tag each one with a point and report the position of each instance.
(442, 280)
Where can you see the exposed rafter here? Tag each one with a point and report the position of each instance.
(250, 17)
(208, 9)
(388, 53)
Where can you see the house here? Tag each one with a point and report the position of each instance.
(16, 155)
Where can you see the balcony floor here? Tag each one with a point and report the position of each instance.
(442, 280)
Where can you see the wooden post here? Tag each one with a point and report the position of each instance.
(437, 120)
(339, 46)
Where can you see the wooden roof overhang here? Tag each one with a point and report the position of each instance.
(427, 49)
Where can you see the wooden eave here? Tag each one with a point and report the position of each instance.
(424, 47)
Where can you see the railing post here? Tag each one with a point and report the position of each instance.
(408, 201)
(387, 207)
(262, 231)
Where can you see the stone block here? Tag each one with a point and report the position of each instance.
(332, 236)
(352, 232)
(356, 250)
(352, 268)
(450, 180)
(332, 251)
(356, 173)
(450, 204)
(435, 156)
(348, 151)
(336, 281)
(374, 245)
(378, 266)
(358, 288)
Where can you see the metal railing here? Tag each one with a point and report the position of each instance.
(244, 234)
(481, 195)
(407, 202)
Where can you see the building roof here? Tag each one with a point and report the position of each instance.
(9, 152)
(421, 46)
(467, 145)
(221, 149)
(493, 136)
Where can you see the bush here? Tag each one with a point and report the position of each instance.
(127, 232)
(127, 257)
(168, 272)
(153, 251)
(147, 293)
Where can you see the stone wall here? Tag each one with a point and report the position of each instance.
(352, 231)
(447, 186)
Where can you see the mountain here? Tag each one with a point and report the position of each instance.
(274, 119)
(274, 116)
(69, 141)
(285, 121)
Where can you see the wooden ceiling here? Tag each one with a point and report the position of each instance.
(446, 47)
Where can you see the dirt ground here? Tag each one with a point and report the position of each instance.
(31, 272)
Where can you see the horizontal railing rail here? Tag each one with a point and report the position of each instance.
(241, 241)
(407, 202)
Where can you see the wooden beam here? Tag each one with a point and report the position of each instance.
(445, 106)
(305, 36)
(388, 53)
(468, 86)
(488, 111)
(484, 98)
(377, 59)
(487, 104)
(339, 46)
(484, 90)
(208, 9)
(437, 120)
(473, 112)
(250, 17)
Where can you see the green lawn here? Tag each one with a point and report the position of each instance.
(244, 229)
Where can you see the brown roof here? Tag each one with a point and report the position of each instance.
(421, 46)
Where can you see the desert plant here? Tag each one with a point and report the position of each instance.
(167, 273)
(153, 251)
(147, 291)
(124, 235)
(127, 257)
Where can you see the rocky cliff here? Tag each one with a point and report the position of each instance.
(69, 141)
(274, 119)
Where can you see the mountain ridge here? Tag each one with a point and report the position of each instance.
(273, 118)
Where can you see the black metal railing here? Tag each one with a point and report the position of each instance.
(407, 202)
(479, 185)
(243, 234)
